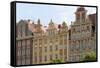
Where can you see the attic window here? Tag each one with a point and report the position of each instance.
(87, 27)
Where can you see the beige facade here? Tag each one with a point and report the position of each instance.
(37, 44)
(50, 43)
(82, 39)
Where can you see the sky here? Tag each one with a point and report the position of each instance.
(45, 13)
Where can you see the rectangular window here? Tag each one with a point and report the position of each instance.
(40, 50)
(35, 42)
(61, 40)
(56, 47)
(35, 48)
(35, 59)
(40, 59)
(23, 31)
(50, 57)
(65, 41)
(65, 51)
(19, 44)
(56, 39)
(28, 43)
(40, 41)
(23, 60)
(51, 40)
(61, 52)
(28, 51)
(23, 52)
(45, 41)
(65, 58)
(50, 48)
(45, 49)
(19, 53)
(23, 43)
(28, 57)
(45, 58)
(18, 60)
(27, 61)
(56, 56)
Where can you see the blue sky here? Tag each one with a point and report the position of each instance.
(47, 12)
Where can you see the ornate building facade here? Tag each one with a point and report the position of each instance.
(36, 44)
(24, 42)
(82, 35)
(50, 43)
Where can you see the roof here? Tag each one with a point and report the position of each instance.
(92, 17)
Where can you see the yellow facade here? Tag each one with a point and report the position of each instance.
(51, 44)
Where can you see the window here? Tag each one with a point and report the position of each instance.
(35, 48)
(51, 40)
(56, 56)
(18, 57)
(28, 44)
(40, 58)
(56, 47)
(40, 49)
(65, 57)
(35, 42)
(61, 41)
(23, 47)
(50, 57)
(74, 30)
(19, 53)
(23, 52)
(45, 41)
(71, 48)
(45, 49)
(65, 41)
(78, 17)
(35, 53)
(50, 48)
(28, 47)
(87, 28)
(21, 30)
(49, 32)
(28, 51)
(28, 57)
(93, 29)
(83, 16)
(45, 58)
(19, 44)
(23, 60)
(40, 41)
(56, 39)
(61, 52)
(35, 59)
(65, 51)
(27, 61)
(18, 62)
(23, 43)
